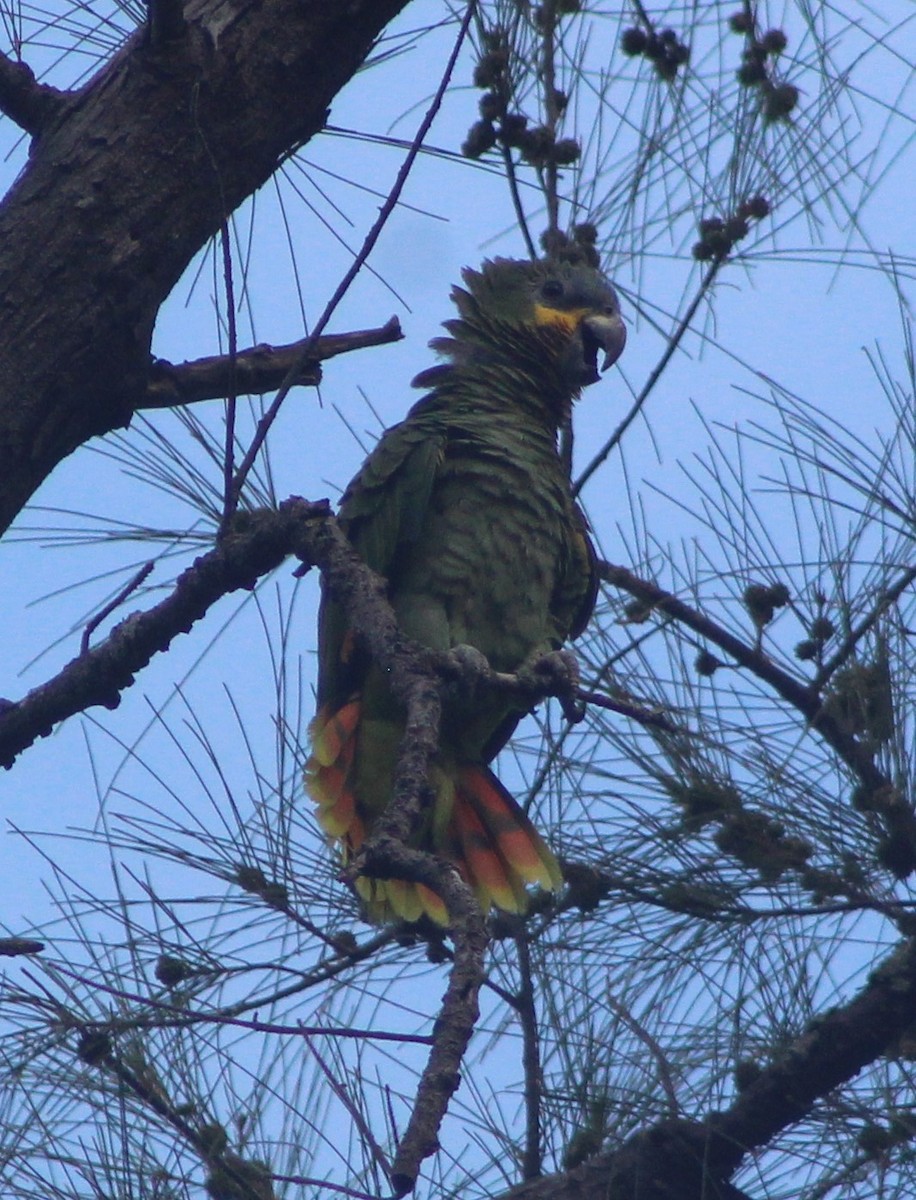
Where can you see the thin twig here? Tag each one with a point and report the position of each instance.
(226, 1163)
(797, 694)
(229, 497)
(654, 1048)
(186, 1017)
(849, 643)
(532, 1156)
(365, 250)
(512, 180)
(549, 173)
(652, 718)
(319, 1186)
(673, 342)
(899, 817)
(131, 586)
(362, 1125)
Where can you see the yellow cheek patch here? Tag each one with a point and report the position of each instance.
(567, 320)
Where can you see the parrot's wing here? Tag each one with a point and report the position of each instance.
(571, 607)
(384, 507)
(577, 588)
(382, 513)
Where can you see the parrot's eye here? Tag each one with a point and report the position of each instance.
(552, 289)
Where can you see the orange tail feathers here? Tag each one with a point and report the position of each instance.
(502, 852)
(477, 823)
(333, 737)
(327, 780)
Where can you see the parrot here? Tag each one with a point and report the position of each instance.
(465, 508)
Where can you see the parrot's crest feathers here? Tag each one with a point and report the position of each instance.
(432, 376)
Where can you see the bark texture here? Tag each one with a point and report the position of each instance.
(126, 181)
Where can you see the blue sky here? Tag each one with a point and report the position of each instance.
(781, 313)
(786, 312)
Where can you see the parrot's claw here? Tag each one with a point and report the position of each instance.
(467, 667)
(558, 672)
(470, 658)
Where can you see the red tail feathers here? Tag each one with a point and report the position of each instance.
(475, 822)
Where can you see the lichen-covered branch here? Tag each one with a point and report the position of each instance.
(254, 371)
(100, 675)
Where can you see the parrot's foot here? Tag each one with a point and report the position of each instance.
(557, 673)
(467, 668)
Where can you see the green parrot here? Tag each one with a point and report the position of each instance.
(465, 508)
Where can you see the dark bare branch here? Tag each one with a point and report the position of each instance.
(100, 675)
(453, 1028)
(694, 1160)
(207, 128)
(24, 100)
(532, 1159)
(255, 547)
(257, 370)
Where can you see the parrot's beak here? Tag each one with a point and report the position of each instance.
(606, 331)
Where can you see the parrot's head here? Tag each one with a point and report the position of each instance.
(551, 319)
(571, 304)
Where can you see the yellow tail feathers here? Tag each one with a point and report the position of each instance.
(475, 822)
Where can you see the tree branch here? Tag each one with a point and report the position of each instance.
(257, 370)
(115, 201)
(100, 675)
(255, 546)
(533, 1155)
(834, 1048)
(669, 1161)
(452, 1030)
(694, 1160)
(24, 100)
(882, 796)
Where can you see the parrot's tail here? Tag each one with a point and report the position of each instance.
(476, 823)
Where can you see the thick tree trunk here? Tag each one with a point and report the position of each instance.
(127, 179)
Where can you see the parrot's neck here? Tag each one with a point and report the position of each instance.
(519, 373)
(486, 395)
